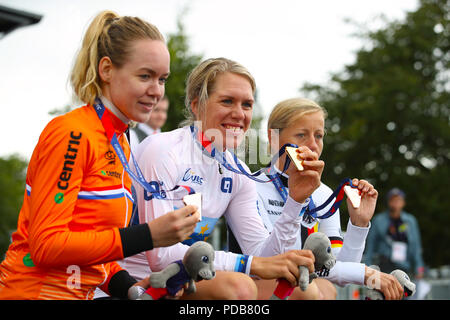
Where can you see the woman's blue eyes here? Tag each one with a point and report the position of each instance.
(245, 104)
(147, 77)
(317, 136)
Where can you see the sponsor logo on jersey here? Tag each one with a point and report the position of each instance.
(111, 157)
(156, 185)
(110, 173)
(276, 203)
(59, 197)
(190, 175)
(69, 161)
(226, 185)
(27, 261)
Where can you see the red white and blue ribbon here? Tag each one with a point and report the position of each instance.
(311, 210)
(338, 194)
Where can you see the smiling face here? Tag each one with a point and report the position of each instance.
(137, 86)
(228, 111)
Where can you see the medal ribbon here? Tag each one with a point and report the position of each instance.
(311, 210)
(220, 157)
(211, 152)
(339, 194)
(103, 115)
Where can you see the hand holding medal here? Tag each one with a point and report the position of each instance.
(361, 200)
(302, 183)
(361, 215)
(194, 199)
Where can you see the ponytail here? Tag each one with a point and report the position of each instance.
(108, 35)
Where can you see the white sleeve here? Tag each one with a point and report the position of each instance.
(354, 243)
(348, 269)
(156, 167)
(159, 165)
(248, 227)
(344, 273)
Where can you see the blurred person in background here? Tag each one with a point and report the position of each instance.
(154, 124)
(394, 240)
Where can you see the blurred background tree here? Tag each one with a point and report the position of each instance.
(389, 119)
(12, 188)
(182, 61)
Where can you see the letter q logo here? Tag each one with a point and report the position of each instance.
(226, 185)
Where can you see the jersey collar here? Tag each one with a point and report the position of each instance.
(119, 120)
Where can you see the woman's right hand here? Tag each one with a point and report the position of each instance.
(303, 183)
(284, 265)
(383, 282)
(173, 227)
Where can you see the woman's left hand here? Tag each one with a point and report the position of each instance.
(361, 216)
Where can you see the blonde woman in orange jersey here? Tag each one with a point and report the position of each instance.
(73, 224)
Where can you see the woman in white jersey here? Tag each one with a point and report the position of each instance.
(219, 98)
(302, 122)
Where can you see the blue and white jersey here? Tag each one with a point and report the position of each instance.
(176, 158)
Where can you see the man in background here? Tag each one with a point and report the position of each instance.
(157, 119)
(394, 239)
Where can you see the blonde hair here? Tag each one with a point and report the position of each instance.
(108, 35)
(288, 111)
(201, 81)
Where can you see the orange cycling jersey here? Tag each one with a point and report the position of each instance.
(76, 201)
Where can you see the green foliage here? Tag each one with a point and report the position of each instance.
(12, 188)
(389, 119)
(254, 141)
(181, 64)
(59, 111)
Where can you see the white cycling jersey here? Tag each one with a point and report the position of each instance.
(348, 251)
(176, 158)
